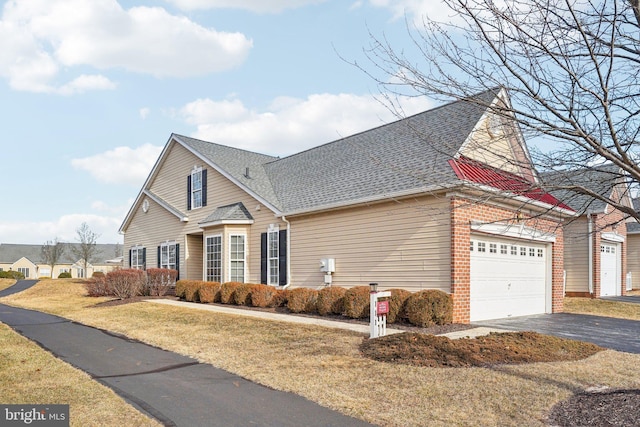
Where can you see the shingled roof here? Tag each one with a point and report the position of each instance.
(570, 186)
(12, 252)
(407, 155)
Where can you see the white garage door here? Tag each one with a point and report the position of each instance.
(508, 278)
(609, 255)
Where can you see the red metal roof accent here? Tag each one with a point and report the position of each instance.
(474, 171)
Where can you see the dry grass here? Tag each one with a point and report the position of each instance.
(325, 365)
(29, 374)
(599, 307)
(5, 283)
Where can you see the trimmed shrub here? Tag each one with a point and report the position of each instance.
(98, 286)
(160, 280)
(242, 294)
(262, 295)
(97, 274)
(209, 292)
(64, 275)
(356, 302)
(330, 300)
(429, 307)
(280, 298)
(12, 274)
(126, 283)
(302, 300)
(226, 292)
(191, 290)
(180, 288)
(396, 305)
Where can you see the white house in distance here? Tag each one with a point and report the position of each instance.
(446, 199)
(28, 260)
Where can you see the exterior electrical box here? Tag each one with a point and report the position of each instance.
(328, 265)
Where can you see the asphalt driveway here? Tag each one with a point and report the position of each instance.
(617, 334)
(175, 389)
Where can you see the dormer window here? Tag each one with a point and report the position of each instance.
(197, 188)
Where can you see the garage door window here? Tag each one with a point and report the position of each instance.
(523, 251)
(514, 250)
(540, 253)
(482, 247)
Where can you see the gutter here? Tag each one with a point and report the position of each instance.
(288, 253)
(590, 232)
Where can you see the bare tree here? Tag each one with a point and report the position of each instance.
(52, 252)
(570, 67)
(87, 248)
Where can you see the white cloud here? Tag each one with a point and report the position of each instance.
(290, 125)
(144, 113)
(122, 165)
(41, 39)
(258, 6)
(434, 9)
(64, 228)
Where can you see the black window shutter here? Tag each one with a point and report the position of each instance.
(282, 257)
(189, 192)
(144, 258)
(264, 254)
(130, 259)
(178, 260)
(159, 264)
(204, 187)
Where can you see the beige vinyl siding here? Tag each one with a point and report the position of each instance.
(492, 149)
(576, 255)
(633, 258)
(158, 225)
(397, 244)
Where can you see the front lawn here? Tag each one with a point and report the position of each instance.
(600, 307)
(327, 366)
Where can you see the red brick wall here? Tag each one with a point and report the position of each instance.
(462, 213)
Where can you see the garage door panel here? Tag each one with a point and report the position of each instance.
(508, 278)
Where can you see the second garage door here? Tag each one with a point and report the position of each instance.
(508, 278)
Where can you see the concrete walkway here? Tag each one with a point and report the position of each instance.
(308, 320)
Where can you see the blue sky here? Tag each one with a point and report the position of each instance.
(91, 90)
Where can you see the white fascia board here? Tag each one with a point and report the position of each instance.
(226, 222)
(229, 177)
(153, 172)
(182, 217)
(517, 231)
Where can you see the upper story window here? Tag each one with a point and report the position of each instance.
(197, 188)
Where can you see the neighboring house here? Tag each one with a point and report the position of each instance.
(28, 260)
(445, 199)
(595, 243)
(633, 250)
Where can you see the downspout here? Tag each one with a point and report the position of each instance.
(288, 253)
(590, 231)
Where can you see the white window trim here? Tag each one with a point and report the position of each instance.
(136, 249)
(196, 171)
(167, 244)
(273, 229)
(230, 260)
(221, 255)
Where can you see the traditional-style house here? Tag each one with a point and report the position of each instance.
(595, 242)
(28, 260)
(446, 199)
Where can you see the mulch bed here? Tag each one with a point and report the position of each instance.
(602, 408)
